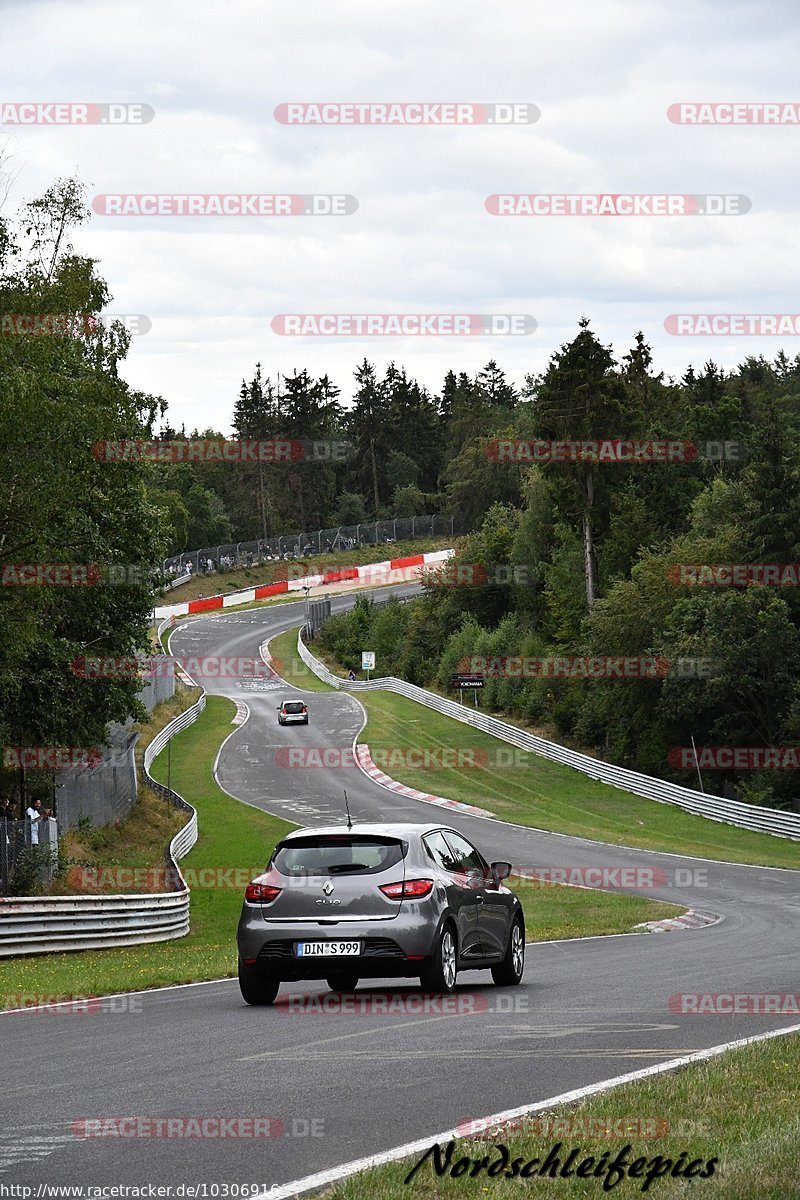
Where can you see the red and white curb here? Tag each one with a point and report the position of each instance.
(689, 920)
(394, 570)
(364, 760)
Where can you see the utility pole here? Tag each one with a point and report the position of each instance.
(697, 765)
(307, 589)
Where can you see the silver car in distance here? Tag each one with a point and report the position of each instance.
(292, 712)
(376, 901)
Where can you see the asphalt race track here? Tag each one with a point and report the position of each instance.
(347, 1085)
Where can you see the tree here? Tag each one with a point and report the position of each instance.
(413, 424)
(368, 426)
(350, 509)
(580, 398)
(495, 387)
(401, 471)
(61, 400)
(256, 416)
(408, 501)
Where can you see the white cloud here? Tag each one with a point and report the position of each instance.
(603, 72)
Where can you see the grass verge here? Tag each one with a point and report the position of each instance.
(529, 790)
(290, 666)
(740, 1109)
(553, 911)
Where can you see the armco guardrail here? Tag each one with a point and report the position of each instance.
(38, 925)
(730, 812)
(393, 570)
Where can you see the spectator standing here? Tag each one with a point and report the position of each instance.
(34, 814)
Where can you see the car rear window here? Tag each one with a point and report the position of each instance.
(293, 706)
(338, 855)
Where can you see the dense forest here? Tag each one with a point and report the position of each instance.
(394, 451)
(578, 557)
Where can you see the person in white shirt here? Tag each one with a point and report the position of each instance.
(34, 814)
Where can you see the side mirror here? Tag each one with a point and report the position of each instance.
(500, 871)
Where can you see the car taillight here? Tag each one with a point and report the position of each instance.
(261, 893)
(411, 888)
(305, 710)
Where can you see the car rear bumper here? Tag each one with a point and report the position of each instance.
(388, 948)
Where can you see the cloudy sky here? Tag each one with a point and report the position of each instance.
(601, 72)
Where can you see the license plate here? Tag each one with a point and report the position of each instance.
(327, 949)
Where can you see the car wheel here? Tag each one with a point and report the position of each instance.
(256, 987)
(439, 974)
(342, 981)
(509, 972)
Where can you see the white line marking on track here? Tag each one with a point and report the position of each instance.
(323, 1178)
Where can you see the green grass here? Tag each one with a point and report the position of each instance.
(553, 911)
(290, 666)
(740, 1108)
(530, 790)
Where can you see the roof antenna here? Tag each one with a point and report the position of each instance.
(347, 809)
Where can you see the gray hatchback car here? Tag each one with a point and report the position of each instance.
(376, 901)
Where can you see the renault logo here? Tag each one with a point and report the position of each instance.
(327, 888)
